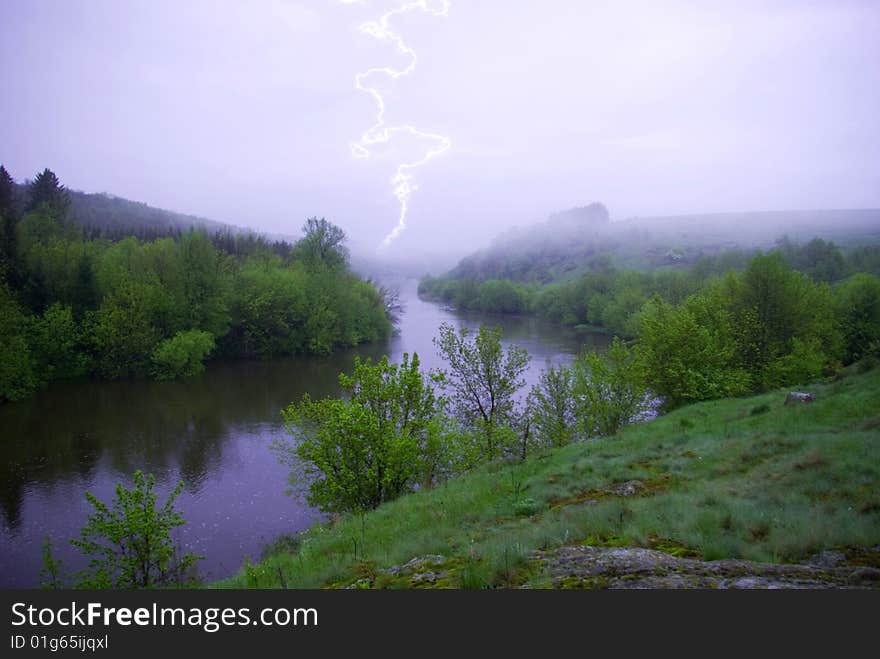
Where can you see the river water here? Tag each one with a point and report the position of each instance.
(214, 432)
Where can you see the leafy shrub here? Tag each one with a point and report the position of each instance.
(182, 355)
(129, 542)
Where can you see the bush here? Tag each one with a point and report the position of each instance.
(384, 439)
(183, 355)
(609, 391)
(550, 407)
(129, 543)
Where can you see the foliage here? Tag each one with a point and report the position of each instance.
(387, 437)
(609, 390)
(322, 244)
(47, 190)
(101, 301)
(17, 376)
(50, 573)
(482, 379)
(771, 305)
(182, 355)
(551, 407)
(820, 260)
(129, 542)
(55, 341)
(7, 192)
(689, 351)
(858, 312)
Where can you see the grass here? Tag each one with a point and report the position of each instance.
(736, 478)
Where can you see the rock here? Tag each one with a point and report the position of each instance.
(428, 577)
(417, 566)
(799, 397)
(827, 559)
(582, 566)
(627, 489)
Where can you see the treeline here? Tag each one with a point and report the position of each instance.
(77, 302)
(607, 299)
(733, 324)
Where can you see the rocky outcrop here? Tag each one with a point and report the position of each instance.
(634, 567)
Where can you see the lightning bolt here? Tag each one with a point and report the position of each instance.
(381, 133)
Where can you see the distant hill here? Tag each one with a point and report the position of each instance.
(109, 212)
(118, 216)
(570, 242)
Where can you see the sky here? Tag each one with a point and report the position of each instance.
(245, 112)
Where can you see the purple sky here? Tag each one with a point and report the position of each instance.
(244, 111)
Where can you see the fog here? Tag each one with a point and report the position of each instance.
(245, 112)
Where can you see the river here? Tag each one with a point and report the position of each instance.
(214, 432)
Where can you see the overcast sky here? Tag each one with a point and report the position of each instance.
(244, 111)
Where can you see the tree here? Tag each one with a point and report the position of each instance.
(129, 543)
(55, 341)
(690, 352)
(182, 355)
(551, 408)
(17, 376)
(47, 189)
(322, 244)
(483, 380)
(858, 312)
(609, 390)
(7, 193)
(770, 306)
(386, 437)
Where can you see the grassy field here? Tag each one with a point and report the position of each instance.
(738, 478)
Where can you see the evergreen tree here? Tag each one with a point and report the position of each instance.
(47, 189)
(8, 264)
(7, 193)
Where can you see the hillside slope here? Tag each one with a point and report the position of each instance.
(747, 479)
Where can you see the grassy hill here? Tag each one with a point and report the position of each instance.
(747, 478)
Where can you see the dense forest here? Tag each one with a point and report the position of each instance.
(88, 288)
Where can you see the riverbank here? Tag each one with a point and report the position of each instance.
(748, 478)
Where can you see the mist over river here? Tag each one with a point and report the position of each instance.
(214, 432)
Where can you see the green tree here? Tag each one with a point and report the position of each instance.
(7, 193)
(771, 304)
(56, 344)
(384, 438)
(551, 408)
(8, 220)
(47, 189)
(17, 369)
(690, 352)
(483, 380)
(501, 296)
(129, 542)
(123, 333)
(858, 311)
(322, 244)
(609, 390)
(183, 355)
(205, 281)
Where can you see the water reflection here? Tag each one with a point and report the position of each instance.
(213, 432)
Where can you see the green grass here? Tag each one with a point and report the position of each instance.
(719, 480)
